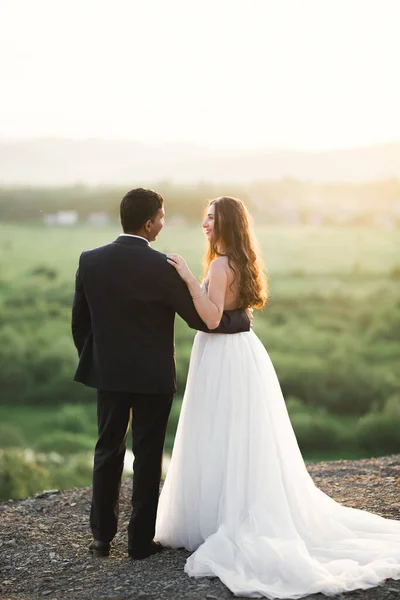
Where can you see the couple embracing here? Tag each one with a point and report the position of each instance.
(237, 493)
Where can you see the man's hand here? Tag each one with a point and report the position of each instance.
(249, 313)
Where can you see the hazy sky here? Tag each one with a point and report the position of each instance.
(307, 74)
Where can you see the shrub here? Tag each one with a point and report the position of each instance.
(391, 408)
(72, 418)
(294, 405)
(75, 471)
(44, 271)
(11, 437)
(316, 432)
(340, 386)
(64, 442)
(20, 477)
(379, 433)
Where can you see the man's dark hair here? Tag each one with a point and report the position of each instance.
(137, 207)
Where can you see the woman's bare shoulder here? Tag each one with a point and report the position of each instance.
(220, 263)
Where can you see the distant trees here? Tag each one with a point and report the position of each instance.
(286, 201)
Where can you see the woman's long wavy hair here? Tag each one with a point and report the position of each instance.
(232, 237)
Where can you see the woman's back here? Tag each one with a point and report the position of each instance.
(232, 291)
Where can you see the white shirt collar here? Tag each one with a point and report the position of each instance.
(135, 236)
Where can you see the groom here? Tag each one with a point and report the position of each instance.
(126, 297)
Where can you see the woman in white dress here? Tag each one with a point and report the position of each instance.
(237, 492)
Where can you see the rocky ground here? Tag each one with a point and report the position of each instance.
(43, 543)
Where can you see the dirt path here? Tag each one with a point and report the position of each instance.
(43, 543)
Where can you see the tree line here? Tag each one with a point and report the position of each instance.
(284, 201)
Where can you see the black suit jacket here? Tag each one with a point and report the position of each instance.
(123, 314)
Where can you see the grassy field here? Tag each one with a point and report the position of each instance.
(332, 328)
(317, 251)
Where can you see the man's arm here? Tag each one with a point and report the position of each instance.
(233, 321)
(81, 320)
(178, 297)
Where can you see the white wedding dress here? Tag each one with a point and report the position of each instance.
(238, 494)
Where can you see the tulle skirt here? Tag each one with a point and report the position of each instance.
(239, 496)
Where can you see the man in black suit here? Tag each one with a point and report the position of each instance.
(126, 297)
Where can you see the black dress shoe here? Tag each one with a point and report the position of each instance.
(145, 551)
(98, 548)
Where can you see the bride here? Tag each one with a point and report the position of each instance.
(237, 492)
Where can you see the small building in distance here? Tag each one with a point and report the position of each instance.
(98, 219)
(63, 218)
(176, 221)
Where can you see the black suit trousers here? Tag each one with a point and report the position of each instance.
(150, 414)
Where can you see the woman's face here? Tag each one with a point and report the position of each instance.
(208, 224)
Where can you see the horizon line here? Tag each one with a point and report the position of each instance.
(202, 145)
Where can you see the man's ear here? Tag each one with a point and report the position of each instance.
(148, 225)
